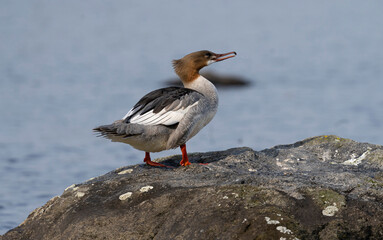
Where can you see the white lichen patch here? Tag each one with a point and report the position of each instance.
(80, 194)
(125, 171)
(54, 198)
(70, 187)
(297, 195)
(225, 197)
(146, 188)
(356, 161)
(326, 156)
(269, 221)
(284, 165)
(125, 196)
(284, 230)
(90, 179)
(330, 211)
(289, 160)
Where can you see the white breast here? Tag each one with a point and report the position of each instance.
(208, 111)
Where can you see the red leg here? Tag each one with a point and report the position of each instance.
(148, 161)
(185, 159)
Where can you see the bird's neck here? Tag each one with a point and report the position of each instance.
(204, 86)
(190, 77)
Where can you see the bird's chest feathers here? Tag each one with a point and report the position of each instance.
(203, 121)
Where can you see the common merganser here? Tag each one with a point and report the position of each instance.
(168, 117)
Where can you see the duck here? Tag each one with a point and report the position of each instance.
(167, 118)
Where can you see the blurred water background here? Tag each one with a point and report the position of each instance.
(67, 66)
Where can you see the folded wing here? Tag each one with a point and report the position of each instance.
(165, 106)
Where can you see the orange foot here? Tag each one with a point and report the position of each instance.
(185, 159)
(149, 162)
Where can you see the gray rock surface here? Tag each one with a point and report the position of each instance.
(324, 187)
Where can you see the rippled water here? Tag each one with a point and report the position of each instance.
(66, 67)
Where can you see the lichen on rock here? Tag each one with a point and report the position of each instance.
(297, 191)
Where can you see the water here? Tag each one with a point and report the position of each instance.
(66, 67)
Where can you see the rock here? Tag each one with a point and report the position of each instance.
(217, 80)
(323, 187)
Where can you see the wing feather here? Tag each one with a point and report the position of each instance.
(165, 106)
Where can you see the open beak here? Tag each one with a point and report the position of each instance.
(220, 57)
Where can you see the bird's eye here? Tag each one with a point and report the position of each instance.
(208, 55)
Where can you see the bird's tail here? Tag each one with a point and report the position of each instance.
(117, 129)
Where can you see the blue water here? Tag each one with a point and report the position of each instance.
(65, 67)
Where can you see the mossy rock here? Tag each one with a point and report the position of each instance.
(327, 139)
